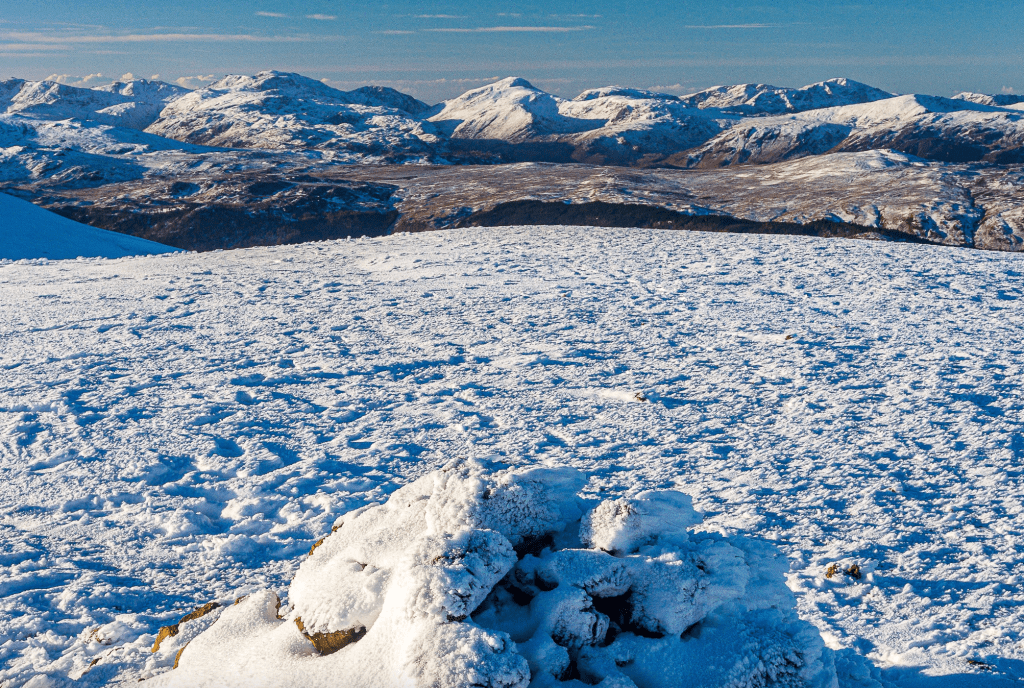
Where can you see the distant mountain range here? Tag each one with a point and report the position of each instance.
(507, 121)
(194, 168)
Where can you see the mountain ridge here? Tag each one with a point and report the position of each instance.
(278, 157)
(510, 120)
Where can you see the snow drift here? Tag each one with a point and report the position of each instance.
(27, 231)
(478, 575)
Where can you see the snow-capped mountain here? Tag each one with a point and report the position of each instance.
(929, 127)
(509, 120)
(131, 104)
(510, 110)
(636, 126)
(1000, 100)
(762, 99)
(282, 111)
(257, 158)
(609, 125)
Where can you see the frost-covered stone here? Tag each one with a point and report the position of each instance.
(478, 575)
(623, 525)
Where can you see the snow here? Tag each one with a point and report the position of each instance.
(1007, 100)
(280, 110)
(618, 124)
(762, 99)
(132, 104)
(901, 120)
(181, 429)
(88, 137)
(511, 109)
(28, 232)
(427, 589)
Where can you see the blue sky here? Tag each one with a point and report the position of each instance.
(435, 50)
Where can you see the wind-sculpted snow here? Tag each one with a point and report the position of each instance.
(177, 430)
(480, 575)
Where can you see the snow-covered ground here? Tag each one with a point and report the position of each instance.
(30, 232)
(179, 429)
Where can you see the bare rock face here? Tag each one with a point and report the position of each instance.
(482, 575)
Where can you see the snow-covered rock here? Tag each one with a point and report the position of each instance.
(762, 99)
(29, 232)
(478, 575)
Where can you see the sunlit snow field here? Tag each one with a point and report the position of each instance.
(178, 429)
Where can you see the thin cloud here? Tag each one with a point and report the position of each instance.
(516, 29)
(1007, 90)
(673, 88)
(18, 48)
(734, 26)
(276, 15)
(40, 40)
(195, 82)
(321, 17)
(441, 16)
(69, 80)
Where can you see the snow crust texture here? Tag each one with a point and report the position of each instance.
(181, 429)
(432, 582)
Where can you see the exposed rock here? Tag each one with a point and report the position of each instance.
(172, 630)
(330, 642)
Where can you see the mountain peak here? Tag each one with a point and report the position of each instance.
(622, 92)
(514, 82)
